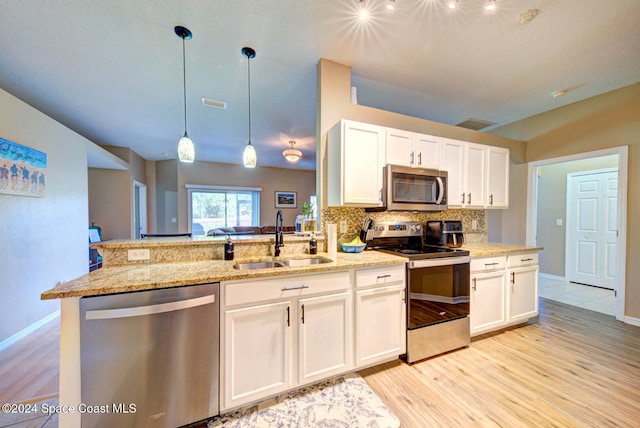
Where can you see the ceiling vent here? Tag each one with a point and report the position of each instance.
(475, 124)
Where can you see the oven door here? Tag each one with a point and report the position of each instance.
(439, 290)
(414, 189)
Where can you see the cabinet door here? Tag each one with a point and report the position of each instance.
(453, 163)
(257, 352)
(362, 164)
(427, 150)
(475, 177)
(325, 340)
(399, 147)
(488, 305)
(523, 288)
(380, 324)
(498, 178)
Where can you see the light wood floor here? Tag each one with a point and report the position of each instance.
(29, 369)
(575, 368)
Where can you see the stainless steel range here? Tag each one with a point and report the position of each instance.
(438, 280)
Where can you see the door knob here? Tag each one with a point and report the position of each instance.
(586, 236)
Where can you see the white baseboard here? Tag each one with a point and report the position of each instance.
(552, 277)
(632, 321)
(28, 330)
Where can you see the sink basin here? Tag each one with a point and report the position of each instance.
(281, 263)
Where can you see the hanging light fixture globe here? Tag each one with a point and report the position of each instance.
(249, 156)
(186, 150)
(291, 154)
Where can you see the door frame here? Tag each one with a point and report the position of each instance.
(623, 168)
(569, 216)
(142, 202)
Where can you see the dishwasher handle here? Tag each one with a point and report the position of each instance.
(138, 311)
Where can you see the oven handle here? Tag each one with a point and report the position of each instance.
(441, 261)
(440, 190)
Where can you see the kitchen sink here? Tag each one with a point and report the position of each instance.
(281, 263)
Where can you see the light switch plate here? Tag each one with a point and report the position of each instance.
(343, 226)
(138, 254)
(474, 224)
(558, 222)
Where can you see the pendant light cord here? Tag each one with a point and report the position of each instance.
(249, 90)
(184, 85)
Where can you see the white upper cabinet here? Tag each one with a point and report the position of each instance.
(474, 173)
(356, 155)
(453, 161)
(411, 149)
(497, 177)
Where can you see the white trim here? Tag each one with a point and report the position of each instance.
(143, 208)
(28, 330)
(623, 168)
(552, 277)
(632, 321)
(210, 187)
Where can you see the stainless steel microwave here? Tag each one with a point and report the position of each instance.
(414, 189)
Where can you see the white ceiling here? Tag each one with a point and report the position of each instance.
(112, 70)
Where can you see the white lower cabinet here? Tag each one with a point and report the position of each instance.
(504, 291)
(380, 324)
(488, 305)
(283, 332)
(324, 336)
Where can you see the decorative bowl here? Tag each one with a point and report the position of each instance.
(353, 248)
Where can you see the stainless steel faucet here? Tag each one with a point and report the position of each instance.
(279, 238)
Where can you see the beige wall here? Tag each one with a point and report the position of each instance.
(552, 205)
(606, 121)
(268, 178)
(166, 196)
(111, 194)
(42, 240)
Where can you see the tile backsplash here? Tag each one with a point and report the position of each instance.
(355, 217)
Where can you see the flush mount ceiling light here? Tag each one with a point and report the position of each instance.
(249, 156)
(559, 93)
(363, 13)
(491, 5)
(291, 154)
(527, 17)
(391, 5)
(452, 4)
(186, 151)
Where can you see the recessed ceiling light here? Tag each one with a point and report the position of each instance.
(452, 4)
(559, 93)
(527, 17)
(491, 5)
(391, 5)
(214, 103)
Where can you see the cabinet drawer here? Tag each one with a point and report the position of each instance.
(284, 287)
(380, 275)
(486, 264)
(524, 259)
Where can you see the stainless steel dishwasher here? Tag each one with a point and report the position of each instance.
(150, 358)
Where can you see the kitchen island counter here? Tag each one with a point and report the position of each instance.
(496, 249)
(120, 279)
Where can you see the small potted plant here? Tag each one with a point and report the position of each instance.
(309, 222)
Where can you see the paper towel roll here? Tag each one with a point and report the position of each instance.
(332, 239)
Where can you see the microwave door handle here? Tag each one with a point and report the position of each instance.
(441, 190)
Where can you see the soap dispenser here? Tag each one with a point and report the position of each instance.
(313, 244)
(228, 249)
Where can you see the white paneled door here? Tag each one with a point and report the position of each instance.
(592, 212)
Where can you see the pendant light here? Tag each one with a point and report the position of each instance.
(291, 154)
(249, 157)
(186, 151)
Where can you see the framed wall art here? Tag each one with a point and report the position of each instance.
(286, 200)
(23, 170)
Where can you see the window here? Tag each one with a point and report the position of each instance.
(216, 206)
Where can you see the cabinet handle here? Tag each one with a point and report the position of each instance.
(463, 198)
(288, 316)
(299, 287)
(412, 156)
(492, 264)
(302, 314)
(420, 158)
(404, 295)
(474, 284)
(491, 199)
(387, 275)
(526, 260)
(469, 197)
(513, 277)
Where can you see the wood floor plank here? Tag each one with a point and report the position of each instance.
(574, 368)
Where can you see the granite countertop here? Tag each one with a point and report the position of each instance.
(121, 279)
(496, 248)
(196, 241)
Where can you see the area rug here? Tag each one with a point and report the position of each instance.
(343, 402)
